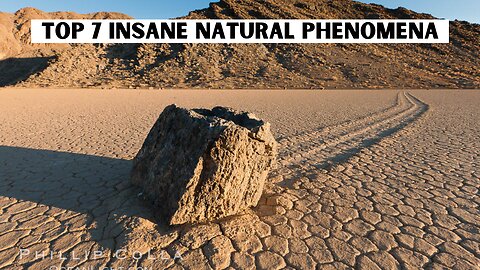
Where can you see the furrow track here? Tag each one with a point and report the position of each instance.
(324, 147)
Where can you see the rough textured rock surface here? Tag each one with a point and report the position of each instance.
(199, 165)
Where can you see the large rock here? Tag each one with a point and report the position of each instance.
(199, 165)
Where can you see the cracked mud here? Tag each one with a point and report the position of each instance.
(366, 179)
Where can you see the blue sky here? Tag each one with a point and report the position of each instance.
(159, 9)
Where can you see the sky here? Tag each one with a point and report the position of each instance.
(468, 10)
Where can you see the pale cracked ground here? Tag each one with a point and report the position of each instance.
(397, 186)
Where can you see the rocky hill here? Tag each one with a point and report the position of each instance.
(454, 65)
(18, 57)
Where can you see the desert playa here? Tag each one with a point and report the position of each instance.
(365, 179)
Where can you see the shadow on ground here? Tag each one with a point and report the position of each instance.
(97, 188)
(13, 70)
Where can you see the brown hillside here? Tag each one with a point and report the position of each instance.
(18, 57)
(454, 65)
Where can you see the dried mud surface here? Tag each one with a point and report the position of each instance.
(366, 179)
(260, 66)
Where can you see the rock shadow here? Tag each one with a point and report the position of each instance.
(98, 189)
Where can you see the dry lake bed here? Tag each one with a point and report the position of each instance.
(365, 179)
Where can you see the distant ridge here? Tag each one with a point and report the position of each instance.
(454, 65)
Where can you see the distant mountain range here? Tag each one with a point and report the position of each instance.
(454, 65)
